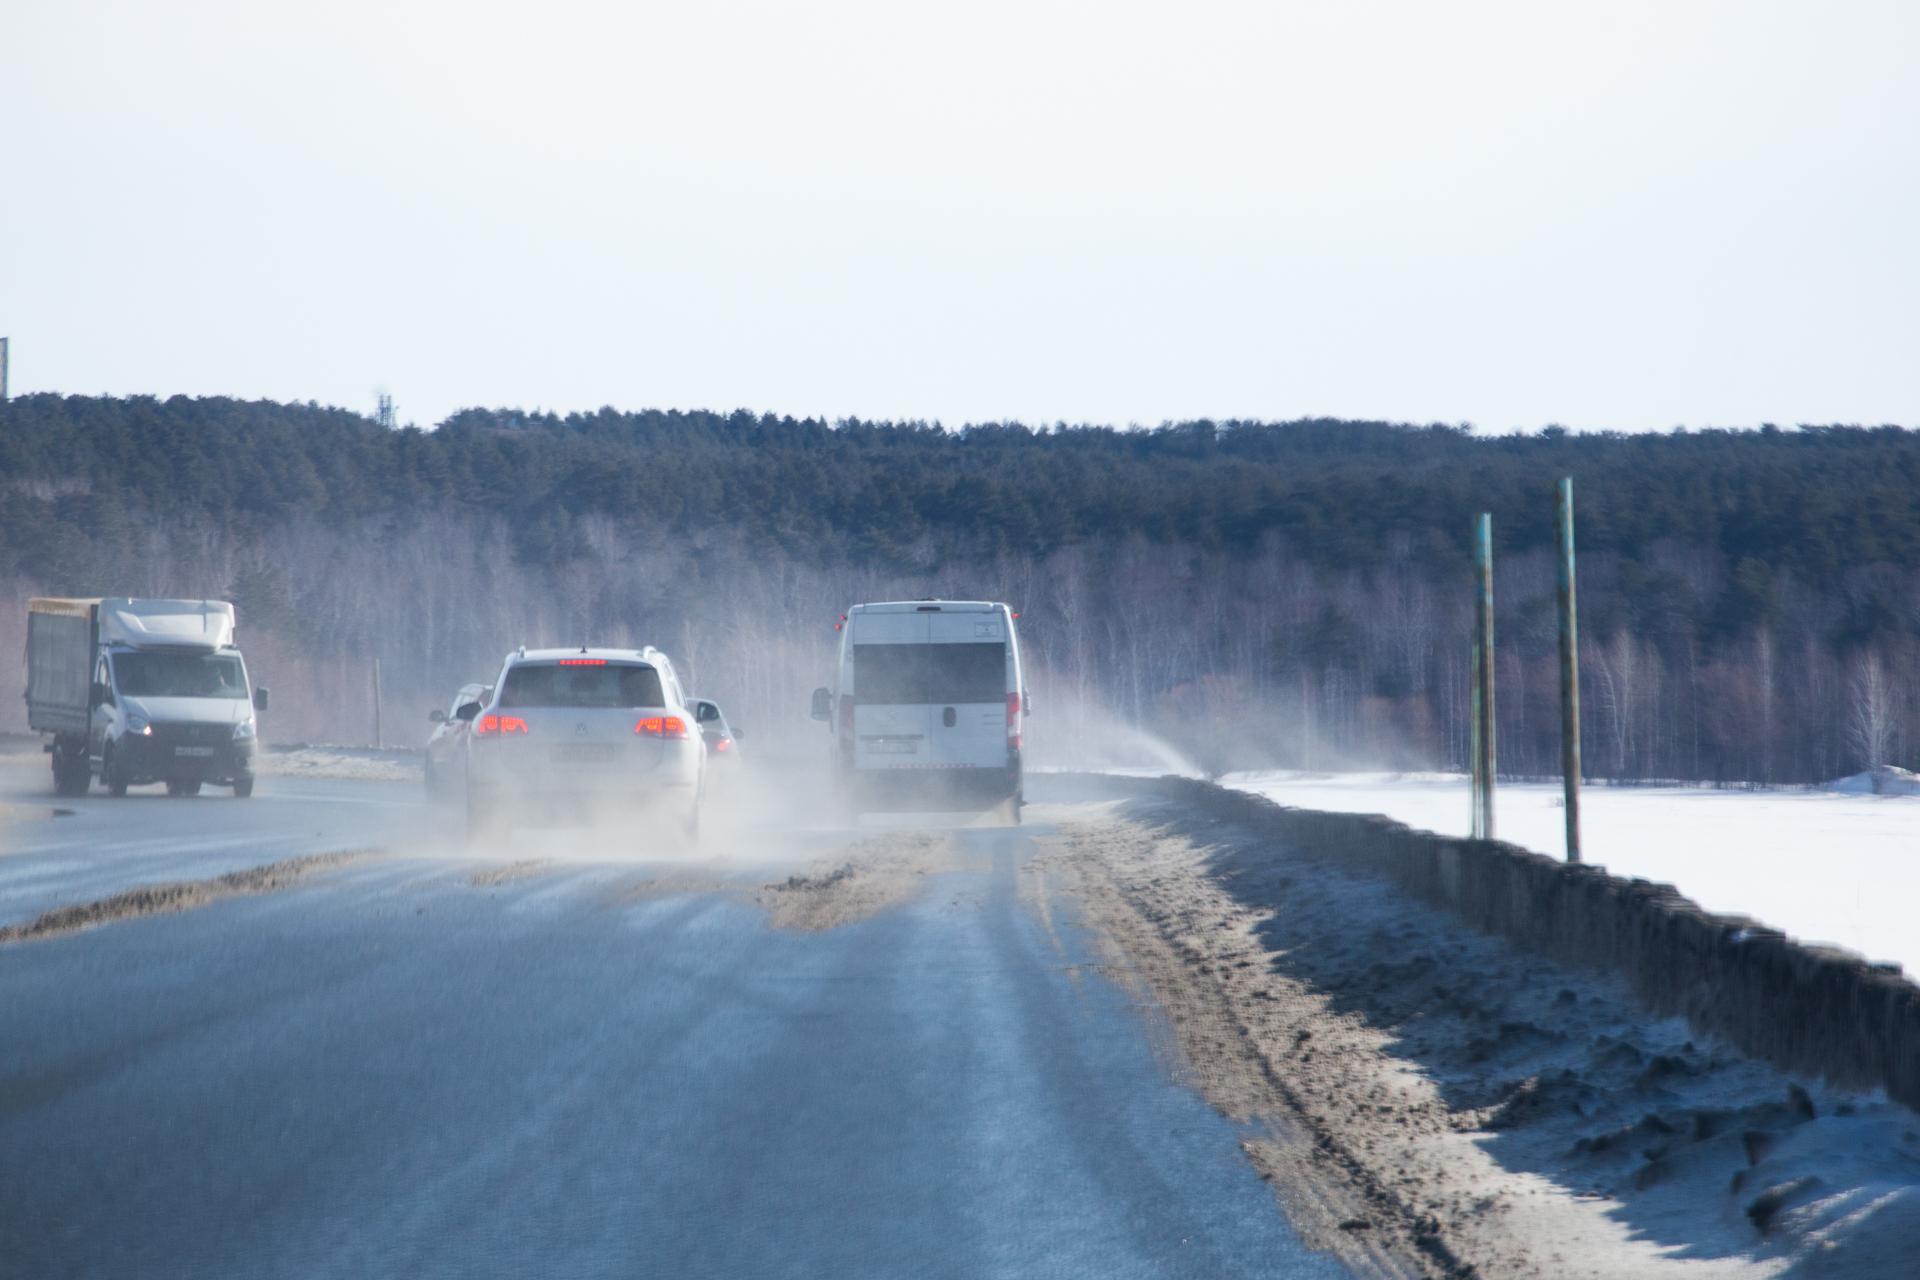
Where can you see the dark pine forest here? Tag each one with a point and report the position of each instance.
(1253, 593)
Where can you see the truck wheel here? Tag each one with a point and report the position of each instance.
(112, 774)
(179, 787)
(243, 787)
(72, 773)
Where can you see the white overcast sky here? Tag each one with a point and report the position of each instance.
(1602, 214)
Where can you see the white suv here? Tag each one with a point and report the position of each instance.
(563, 727)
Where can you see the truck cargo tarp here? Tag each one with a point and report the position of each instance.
(59, 665)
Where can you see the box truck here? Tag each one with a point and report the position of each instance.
(136, 691)
(926, 708)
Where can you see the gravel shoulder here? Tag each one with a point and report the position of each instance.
(1430, 1101)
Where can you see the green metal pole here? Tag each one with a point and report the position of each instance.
(1483, 570)
(1473, 732)
(1569, 672)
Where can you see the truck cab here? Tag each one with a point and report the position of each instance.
(142, 691)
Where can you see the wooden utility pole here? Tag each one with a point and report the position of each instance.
(1485, 754)
(1569, 672)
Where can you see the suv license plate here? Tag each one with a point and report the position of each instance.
(583, 753)
(193, 751)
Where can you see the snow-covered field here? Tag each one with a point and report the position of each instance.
(1825, 866)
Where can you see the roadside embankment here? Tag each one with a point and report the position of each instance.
(1806, 1009)
(1454, 1104)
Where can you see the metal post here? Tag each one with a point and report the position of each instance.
(3, 370)
(1569, 672)
(1473, 732)
(1483, 689)
(379, 738)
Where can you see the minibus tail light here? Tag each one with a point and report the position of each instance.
(1013, 719)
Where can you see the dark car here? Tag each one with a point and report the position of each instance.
(447, 749)
(723, 740)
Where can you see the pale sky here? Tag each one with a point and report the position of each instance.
(1604, 214)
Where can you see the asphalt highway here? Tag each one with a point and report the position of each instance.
(58, 850)
(422, 1064)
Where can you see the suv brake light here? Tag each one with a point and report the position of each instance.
(489, 726)
(671, 727)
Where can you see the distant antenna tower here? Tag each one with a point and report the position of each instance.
(384, 414)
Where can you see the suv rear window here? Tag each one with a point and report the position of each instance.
(542, 684)
(938, 673)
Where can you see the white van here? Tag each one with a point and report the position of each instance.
(927, 710)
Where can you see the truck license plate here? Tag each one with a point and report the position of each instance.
(193, 751)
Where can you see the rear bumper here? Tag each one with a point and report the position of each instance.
(934, 789)
(502, 772)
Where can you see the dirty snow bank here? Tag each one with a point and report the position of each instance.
(1823, 866)
(364, 764)
(1494, 1113)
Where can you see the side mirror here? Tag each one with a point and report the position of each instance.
(466, 711)
(260, 699)
(822, 705)
(436, 716)
(102, 695)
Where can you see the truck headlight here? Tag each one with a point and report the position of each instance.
(243, 732)
(137, 723)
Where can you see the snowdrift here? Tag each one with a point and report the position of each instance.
(1810, 1009)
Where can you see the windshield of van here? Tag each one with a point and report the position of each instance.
(578, 684)
(930, 673)
(180, 675)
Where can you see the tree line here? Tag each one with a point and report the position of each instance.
(1251, 593)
